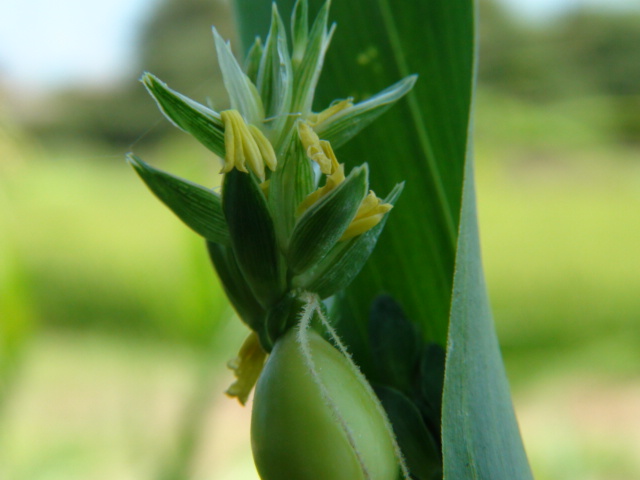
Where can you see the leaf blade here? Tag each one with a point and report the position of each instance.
(479, 428)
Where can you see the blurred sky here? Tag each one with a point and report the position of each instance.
(47, 44)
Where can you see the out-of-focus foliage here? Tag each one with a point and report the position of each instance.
(582, 53)
(177, 44)
(585, 53)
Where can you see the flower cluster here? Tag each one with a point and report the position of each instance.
(289, 219)
(290, 225)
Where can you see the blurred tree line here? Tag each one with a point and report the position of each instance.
(176, 44)
(583, 53)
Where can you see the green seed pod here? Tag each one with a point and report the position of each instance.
(314, 419)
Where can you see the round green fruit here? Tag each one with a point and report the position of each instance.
(313, 419)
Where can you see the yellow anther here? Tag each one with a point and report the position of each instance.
(334, 178)
(247, 367)
(245, 145)
(317, 118)
(369, 214)
(266, 149)
(313, 147)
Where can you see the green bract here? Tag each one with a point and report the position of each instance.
(312, 419)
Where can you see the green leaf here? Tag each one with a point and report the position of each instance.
(479, 428)
(430, 384)
(418, 445)
(320, 227)
(198, 207)
(343, 263)
(253, 236)
(396, 345)
(201, 122)
(242, 92)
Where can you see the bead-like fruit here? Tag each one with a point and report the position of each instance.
(313, 419)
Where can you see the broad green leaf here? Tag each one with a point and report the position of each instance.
(201, 122)
(198, 207)
(320, 227)
(479, 429)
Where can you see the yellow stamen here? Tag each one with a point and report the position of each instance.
(245, 144)
(313, 147)
(334, 178)
(266, 149)
(369, 214)
(247, 367)
(317, 118)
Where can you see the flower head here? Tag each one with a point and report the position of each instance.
(290, 217)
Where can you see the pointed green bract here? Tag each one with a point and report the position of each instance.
(320, 227)
(346, 124)
(344, 262)
(252, 62)
(198, 207)
(253, 236)
(299, 31)
(235, 286)
(275, 80)
(242, 92)
(201, 122)
(294, 169)
(307, 72)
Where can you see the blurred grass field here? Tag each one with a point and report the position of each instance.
(112, 318)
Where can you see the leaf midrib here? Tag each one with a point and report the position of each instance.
(418, 121)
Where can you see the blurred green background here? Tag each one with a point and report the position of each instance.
(114, 332)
